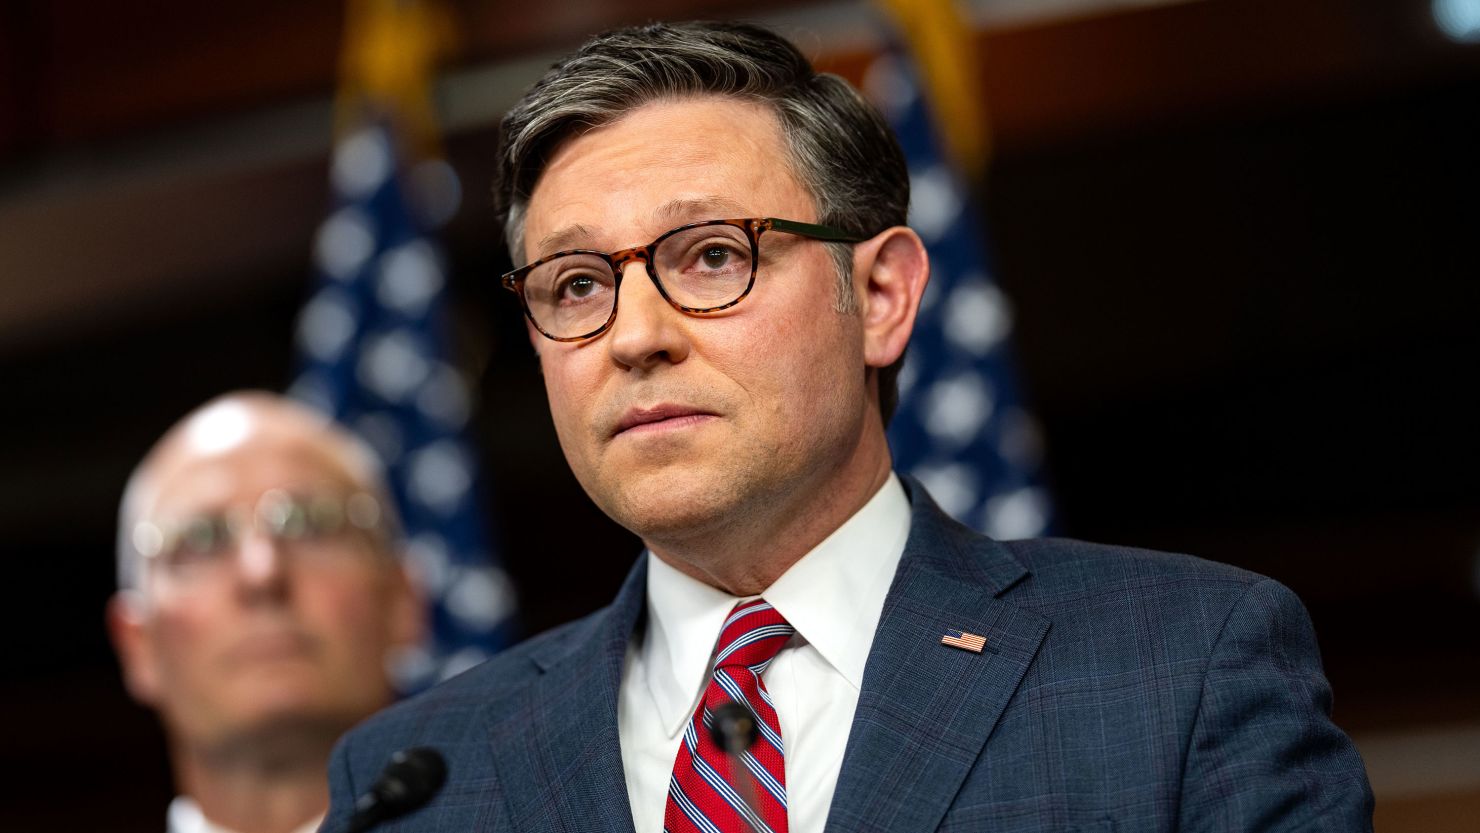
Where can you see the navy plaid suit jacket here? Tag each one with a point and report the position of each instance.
(1120, 690)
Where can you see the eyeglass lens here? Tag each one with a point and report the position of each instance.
(700, 268)
(204, 542)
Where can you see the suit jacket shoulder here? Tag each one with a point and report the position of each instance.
(1118, 689)
(1088, 588)
(516, 732)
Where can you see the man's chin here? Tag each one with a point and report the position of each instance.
(671, 501)
(301, 712)
(284, 694)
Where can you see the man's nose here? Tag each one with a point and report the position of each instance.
(261, 565)
(647, 330)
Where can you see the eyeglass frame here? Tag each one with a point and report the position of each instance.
(617, 261)
(358, 512)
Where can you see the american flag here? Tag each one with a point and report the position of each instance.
(965, 641)
(374, 353)
(961, 427)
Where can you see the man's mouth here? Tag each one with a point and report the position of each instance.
(273, 646)
(660, 417)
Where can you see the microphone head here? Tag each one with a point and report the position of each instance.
(411, 778)
(733, 728)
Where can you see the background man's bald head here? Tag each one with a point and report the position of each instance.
(241, 423)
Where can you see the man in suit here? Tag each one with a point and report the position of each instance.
(902, 673)
(260, 600)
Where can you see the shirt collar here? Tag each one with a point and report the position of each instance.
(184, 816)
(833, 596)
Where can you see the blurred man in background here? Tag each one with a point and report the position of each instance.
(260, 602)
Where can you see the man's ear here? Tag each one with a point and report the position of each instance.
(128, 628)
(889, 275)
(407, 607)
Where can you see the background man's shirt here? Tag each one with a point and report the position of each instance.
(185, 817)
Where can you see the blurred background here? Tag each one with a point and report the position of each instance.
(1234, 246)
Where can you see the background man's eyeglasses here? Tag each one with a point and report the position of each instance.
(698, 268)
(199, 546)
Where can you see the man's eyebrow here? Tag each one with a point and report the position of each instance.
(574, 235)
(677, 212)
(570, 237)
(700, 208)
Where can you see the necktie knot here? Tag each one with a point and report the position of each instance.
(752, 636)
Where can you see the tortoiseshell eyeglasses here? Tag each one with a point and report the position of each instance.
(699, 268)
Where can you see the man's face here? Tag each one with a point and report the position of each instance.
(678, 424)
(285, 636)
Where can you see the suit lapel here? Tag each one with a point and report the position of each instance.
(557, 751)
(926, 709)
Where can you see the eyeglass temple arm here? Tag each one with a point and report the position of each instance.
(813, 231)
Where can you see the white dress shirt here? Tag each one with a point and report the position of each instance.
(185, 817)
(833, 596)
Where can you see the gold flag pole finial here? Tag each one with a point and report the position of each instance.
(387, 64)
(944, 49)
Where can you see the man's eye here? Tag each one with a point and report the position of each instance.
(184, 557)
(579, 287)
(201, 541)
(715, 257)
(718, 256)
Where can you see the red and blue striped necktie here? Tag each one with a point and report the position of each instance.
(705, 796)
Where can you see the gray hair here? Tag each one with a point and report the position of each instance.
(840, 148)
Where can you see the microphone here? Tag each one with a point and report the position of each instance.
(733, 728)
(410, 780)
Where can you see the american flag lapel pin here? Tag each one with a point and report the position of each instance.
(965, 641)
